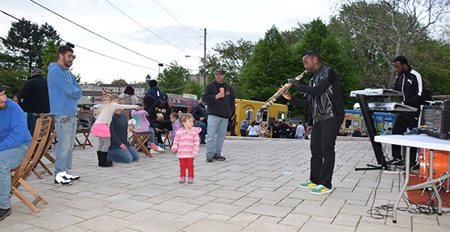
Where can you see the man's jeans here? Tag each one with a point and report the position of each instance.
(66, 129)
(9, 159)
(217, 130)
(122, 156)
(204, 130)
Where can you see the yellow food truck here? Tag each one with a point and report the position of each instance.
(251, 110)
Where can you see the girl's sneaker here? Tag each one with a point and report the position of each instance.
(156, 148)
(190, 180)
(182, 180)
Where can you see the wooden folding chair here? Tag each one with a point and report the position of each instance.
(138, 140)
(85, 120)
(50, 141)
(33, 154)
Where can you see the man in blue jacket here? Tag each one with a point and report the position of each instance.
(14, 141)
(63, 92)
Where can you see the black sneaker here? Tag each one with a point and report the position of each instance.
(209, 160)
(4, 213)
(219, 158)
(395, 162)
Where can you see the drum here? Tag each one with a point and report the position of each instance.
(440, 163)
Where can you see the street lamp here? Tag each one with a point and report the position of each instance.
(202, 71)
(159, 67)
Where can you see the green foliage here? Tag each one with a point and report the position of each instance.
(269, 67)
(377, 31)
(119, 82)
(49, 54)
(176, 79)
(232, 57)
(192, 87)
(11, 73)
(318, 37)
(173, 79)
(14, 79)
(431, 59)
(26, 39)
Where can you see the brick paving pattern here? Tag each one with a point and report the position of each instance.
(255, 189)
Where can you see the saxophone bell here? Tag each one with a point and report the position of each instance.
(284, 88)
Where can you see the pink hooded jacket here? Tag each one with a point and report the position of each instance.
(187, 142)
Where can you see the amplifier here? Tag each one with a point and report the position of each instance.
(435, 120)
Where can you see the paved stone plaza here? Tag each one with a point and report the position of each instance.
(255, 189)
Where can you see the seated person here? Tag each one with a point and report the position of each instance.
(253, 130)
(158, 115)
(142, 125)
(120, 150)
(14, 141)
(357, 133)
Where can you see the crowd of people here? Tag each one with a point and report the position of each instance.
(120, 114)
(277, 129)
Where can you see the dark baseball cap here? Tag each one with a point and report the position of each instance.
(2, 88)
(36, 71)
(219, 71)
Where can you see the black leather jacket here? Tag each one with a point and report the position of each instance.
(323, 96)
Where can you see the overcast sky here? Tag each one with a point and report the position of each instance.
(224, 20)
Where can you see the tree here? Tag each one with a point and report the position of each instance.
(269, 67)
(318, 37)
(49, 54)
(232, 57)
(432, 59)
(173, 79)
(119, 82)
(380, 30)
(14, 79)
(193, 87)
(26, 39)
(11, 73)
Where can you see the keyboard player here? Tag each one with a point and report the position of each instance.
(410, 84)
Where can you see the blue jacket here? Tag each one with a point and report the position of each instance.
(154, 92)
(13, 127)
(63, 90)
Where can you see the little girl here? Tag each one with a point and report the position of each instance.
(101, 126)
(142, 125)
(175, 124)
(186, 144)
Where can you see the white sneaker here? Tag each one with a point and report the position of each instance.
(72, 177)
(157, 148)
(61, 178)
(160, 149)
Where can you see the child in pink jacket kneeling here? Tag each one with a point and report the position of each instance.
(186, 144)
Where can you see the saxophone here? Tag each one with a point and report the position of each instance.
(280, 91)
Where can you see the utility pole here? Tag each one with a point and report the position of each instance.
(204, 58)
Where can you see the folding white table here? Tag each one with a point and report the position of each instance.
(419, 141)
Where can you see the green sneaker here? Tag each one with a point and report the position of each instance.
(320, 189)
(307, 185)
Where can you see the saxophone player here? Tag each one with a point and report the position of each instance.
(325, 113)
